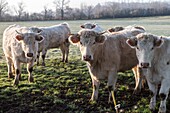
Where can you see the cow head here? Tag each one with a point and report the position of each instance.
(88, 26)
(88, 42)
(29, 42)
(145, 45)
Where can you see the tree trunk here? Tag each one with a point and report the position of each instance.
(62, 14)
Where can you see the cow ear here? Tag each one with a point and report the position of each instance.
(74, 38)
(111, 30)
(19, 37)
(39, 38)
(158, 42)
(39, 30)
(100, 39)
(82, 26)
(132, 42)
(93, 26)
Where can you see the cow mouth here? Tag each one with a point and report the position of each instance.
(145, 67)
(87, 59)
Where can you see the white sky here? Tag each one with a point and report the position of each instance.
(37, 5)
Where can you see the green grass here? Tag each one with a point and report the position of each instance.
(61, 87)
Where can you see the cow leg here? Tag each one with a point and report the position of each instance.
(66, 53)
(163, 93)
(112, 79)
(62, 48)
(9, 64)
(17, 71)
(38, 55)
(30, 69)
(43, 56)
(153, 88)
(95, 84)
(13, 68)
(67, 44)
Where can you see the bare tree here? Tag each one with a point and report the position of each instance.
(3, 7)
(89, 12)
(86, 10)
(47, 13)
(61, 5)
(20, 10)
(97, 11)
(113, 7)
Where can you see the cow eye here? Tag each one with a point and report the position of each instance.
(94, 42)
(152, 48)
(137, 48)
(81, 43)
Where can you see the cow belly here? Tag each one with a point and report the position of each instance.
(99, 74)
(54, 45)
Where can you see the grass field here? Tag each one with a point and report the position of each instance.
(67, 88)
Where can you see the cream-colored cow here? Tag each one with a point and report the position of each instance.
(20, 45)
(105, 55)
(55, 37)
(153, 54)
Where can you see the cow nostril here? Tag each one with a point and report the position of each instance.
(145, 65)
(29, 54)
(89, 56)
(84, 57)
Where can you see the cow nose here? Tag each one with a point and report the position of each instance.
(87, 57)
(29, 54)
(144, 65)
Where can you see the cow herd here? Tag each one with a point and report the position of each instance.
(106, 53)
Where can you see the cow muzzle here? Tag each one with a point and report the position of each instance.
(144, 65)
(29, 54)
(87, 58)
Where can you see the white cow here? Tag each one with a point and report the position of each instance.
(20, 45)
(105, 55)
(92, 26)
(55, 37)
(153, 54)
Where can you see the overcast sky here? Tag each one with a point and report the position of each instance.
(37, 5)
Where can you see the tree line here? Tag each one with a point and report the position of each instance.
(100, 11)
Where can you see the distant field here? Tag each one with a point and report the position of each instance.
(63, 88)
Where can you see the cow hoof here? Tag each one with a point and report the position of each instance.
(19, 77)
(30, 79)
(136, 91)
(162, 109)
(66, 61)
(16, 82)
(110, 102)
(10, 75)
(37, 64)
(153, 111)
(43, 64)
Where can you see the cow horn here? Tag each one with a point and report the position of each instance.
(70, 34)
(18, 32)
(102, 32)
